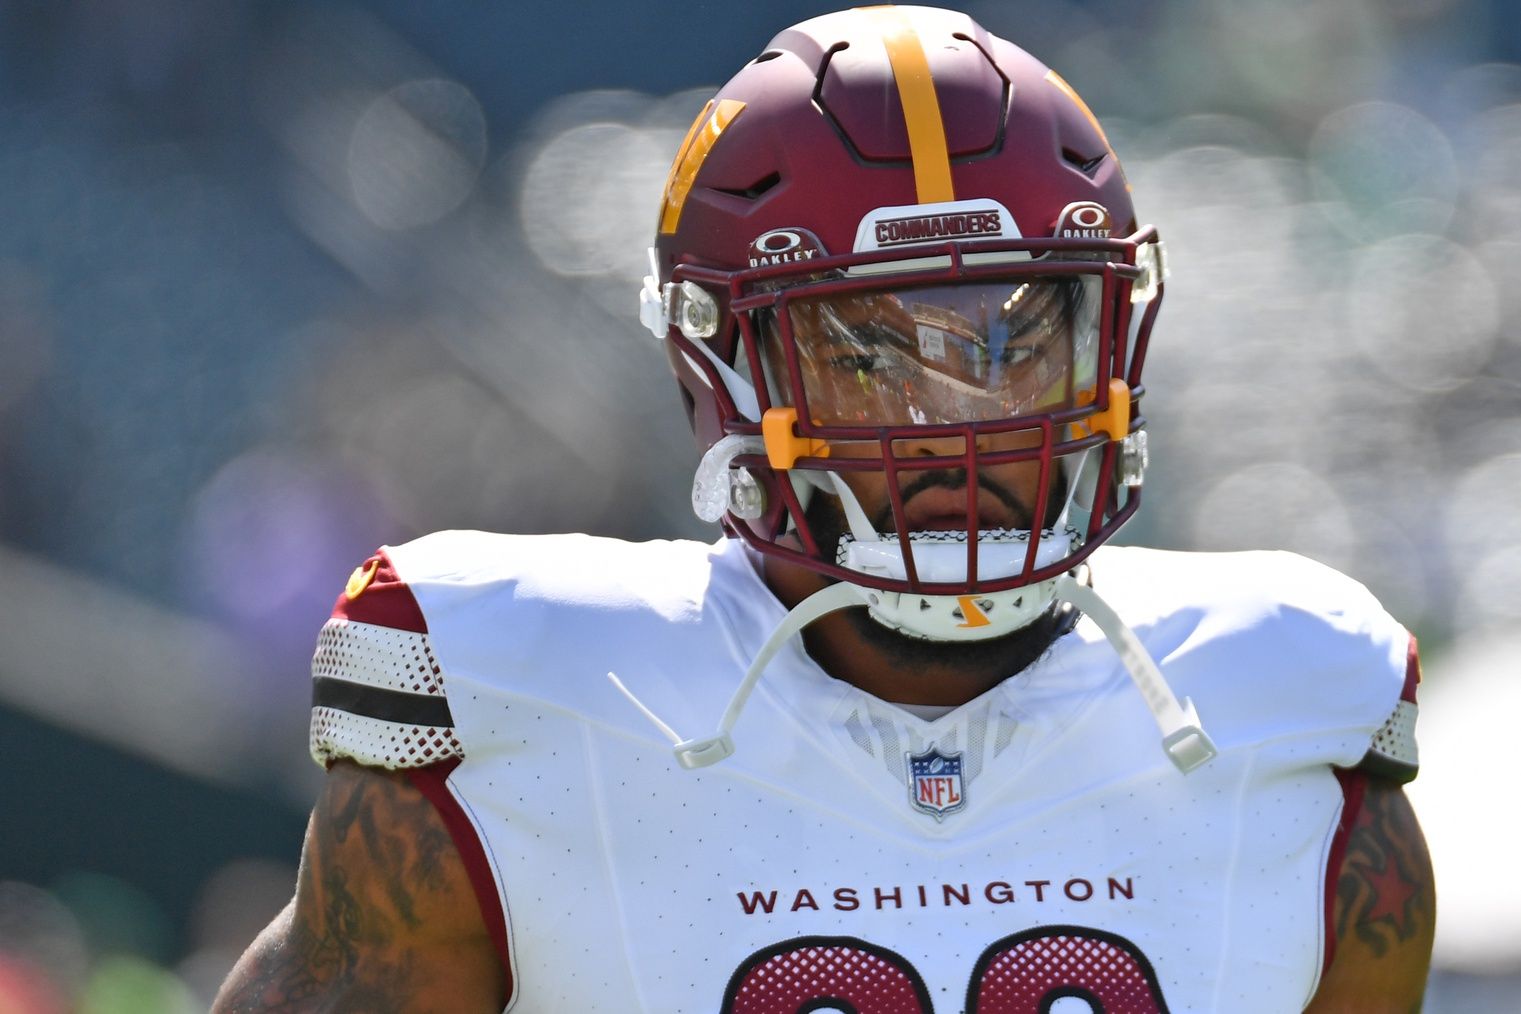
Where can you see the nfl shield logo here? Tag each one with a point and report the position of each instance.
(934, 782)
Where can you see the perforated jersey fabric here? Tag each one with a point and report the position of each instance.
(370, 741)
(393, 728)
(1076, 857)
(1395, 743)
(377, 656)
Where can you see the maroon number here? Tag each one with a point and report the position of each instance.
(809, 973)
(1027, 972)
(1021, 974)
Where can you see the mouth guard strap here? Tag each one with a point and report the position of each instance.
(706, 750)
(1184, 740)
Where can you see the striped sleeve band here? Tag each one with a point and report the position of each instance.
(378, 698)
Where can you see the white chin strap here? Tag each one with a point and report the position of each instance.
(1183, 737)
(1184, 740)
(701, 752)
(942, 557)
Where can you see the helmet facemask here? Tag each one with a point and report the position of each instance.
(941, 422)
(959, 395)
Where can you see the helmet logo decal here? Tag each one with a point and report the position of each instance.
(885, 228)
(1084, 220)
(703, 134)
(934, 783)
(781, 246)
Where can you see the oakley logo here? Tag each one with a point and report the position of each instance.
(1084, 220)
(782, 246)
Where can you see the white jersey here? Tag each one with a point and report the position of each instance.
(1033, 843)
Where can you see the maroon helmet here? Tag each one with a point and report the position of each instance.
(897, 258)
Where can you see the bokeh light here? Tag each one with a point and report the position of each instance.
(416, 152)
(283, 282)
(1426, 310)
(1382, 169)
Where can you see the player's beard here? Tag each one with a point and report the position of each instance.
(1009, 653)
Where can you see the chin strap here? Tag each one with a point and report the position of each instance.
(1183, 738)
(699, 753)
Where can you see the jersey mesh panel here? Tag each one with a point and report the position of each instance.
(1005, 735)
(370, 741)
(389, 659)
(892, 752)
(892, 732)
(1396, 740)
(377, 656)
(858, 733)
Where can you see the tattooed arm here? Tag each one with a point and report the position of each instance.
(1385, 912)
(384, 917)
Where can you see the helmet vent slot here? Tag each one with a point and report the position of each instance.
(754, 190)
(1087, 166)
(767, 56)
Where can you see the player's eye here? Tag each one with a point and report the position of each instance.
(856, 362)
(1026, 350)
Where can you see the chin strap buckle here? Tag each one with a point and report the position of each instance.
(692, 754)
(1184, 740)
(1189, 746)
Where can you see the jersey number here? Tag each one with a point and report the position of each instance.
(1021, 974)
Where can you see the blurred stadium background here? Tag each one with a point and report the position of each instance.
(283, 281)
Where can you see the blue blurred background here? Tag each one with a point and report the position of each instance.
(281, 282)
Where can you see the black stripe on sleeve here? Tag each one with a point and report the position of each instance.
(430, 710)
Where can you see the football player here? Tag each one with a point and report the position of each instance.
(911, 738)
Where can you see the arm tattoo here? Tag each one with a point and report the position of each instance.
(374, 866)
(1383, 893)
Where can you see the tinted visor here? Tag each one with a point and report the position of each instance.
(965, 352)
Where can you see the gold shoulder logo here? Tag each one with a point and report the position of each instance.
(361, 578)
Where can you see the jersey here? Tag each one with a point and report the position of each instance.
(1032, 844)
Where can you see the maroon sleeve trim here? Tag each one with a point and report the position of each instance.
(377, 594)
(432, 781)
(1412, 671)
(1354, 782)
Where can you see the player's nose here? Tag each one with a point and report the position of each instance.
(944, 445)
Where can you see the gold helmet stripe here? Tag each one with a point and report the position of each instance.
(921, 107)
(703, 134)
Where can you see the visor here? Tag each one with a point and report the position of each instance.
(963, 352)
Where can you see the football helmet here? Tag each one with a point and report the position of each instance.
(898, 253)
